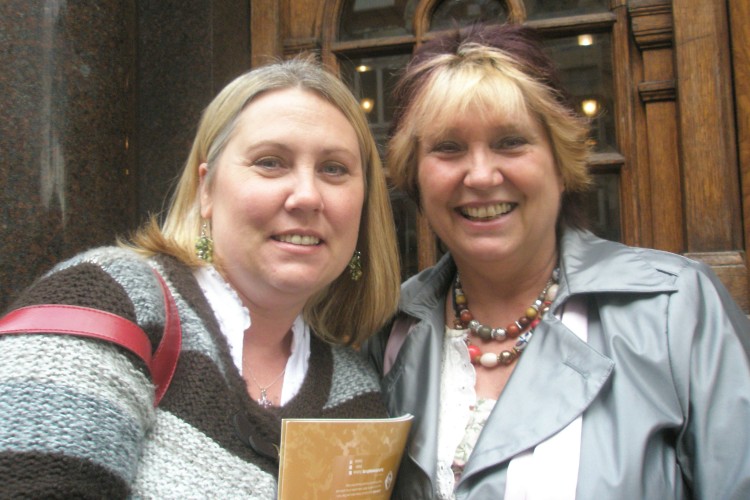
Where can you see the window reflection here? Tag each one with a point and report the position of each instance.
(455, 13)
(603, 206)
(405, 218)
(376, 18)
(585, 63)
(371, 79)
(545, 9)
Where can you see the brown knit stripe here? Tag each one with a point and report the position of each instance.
(38, 475)
(201, 408)
(85, 285)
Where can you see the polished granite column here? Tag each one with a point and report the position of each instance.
(99, 102)
(67, 118)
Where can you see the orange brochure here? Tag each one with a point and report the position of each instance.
(341, 458)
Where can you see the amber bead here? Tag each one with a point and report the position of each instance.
(513, 331)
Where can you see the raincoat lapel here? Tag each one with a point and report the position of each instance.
(555, 381)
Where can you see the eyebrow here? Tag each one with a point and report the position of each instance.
(505, 128)
(284, 147)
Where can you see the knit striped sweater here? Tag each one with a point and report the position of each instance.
(77, 416)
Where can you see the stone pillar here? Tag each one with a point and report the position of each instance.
(99, 102)
(67, 116)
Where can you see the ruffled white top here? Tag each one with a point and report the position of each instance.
(556, 459)
(234, 319)
(459, 409)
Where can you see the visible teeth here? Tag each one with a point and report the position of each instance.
(487, 212)
(297, 239)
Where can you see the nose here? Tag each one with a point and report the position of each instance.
(305, 192)
(484, 169)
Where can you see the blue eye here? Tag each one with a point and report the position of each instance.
(512, 142)
(334, 169)
(446, 147)
(268, 163)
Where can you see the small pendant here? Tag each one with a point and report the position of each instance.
(264, 401)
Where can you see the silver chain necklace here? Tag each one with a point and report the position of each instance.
(263, 400)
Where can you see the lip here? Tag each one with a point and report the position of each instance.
(486, 211)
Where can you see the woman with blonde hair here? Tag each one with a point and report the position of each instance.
(539, 360)
(279, 251)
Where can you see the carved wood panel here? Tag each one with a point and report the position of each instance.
(685, 179)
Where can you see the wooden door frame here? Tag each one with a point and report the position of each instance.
(685, 177)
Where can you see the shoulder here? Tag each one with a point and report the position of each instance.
(351, 377)
(129, 269)
(591, 264)
(352, 370)
(111, 279)
(424, 291)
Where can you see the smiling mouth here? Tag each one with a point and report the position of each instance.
(487, 212)
(298, 239)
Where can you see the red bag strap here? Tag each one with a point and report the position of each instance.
(102, 325)
(168, 351)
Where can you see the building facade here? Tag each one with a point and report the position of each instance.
(103, 109)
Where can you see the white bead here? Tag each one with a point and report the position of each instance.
(489, 360)
(552, 292)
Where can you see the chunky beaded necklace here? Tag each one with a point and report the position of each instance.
(521, 329)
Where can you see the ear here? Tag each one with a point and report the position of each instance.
(205, 192)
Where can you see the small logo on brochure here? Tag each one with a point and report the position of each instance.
(388, 481)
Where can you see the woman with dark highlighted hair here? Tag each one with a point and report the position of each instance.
(539, 360)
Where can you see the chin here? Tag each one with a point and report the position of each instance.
(303, 282)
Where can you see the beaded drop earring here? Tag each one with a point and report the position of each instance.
(204, 245)
(355, 266)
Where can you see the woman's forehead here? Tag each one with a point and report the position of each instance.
(492, 113)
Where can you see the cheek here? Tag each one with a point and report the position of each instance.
(346, 208)
(425, 176)
(344, 213)
(436, 180)
(238, 207)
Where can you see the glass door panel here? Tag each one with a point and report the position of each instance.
(585, 64)
(371, 80)
(545, 9)
(361, 19)
(452, 13)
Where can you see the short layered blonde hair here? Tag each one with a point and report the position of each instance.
(345, 311)
(491, 70)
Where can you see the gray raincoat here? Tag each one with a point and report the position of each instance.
(663, 382)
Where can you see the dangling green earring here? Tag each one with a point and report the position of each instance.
(204, 245)
(355, 266)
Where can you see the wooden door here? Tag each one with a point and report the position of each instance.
(657, 84)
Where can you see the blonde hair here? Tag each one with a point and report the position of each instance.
(468, 72)
(345, 311)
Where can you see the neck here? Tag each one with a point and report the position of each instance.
(272, 312)
(505, 282)
(270, 333)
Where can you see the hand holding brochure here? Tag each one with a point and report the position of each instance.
(341, 458)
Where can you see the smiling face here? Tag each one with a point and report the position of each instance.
(286, 197)
(490, 188)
